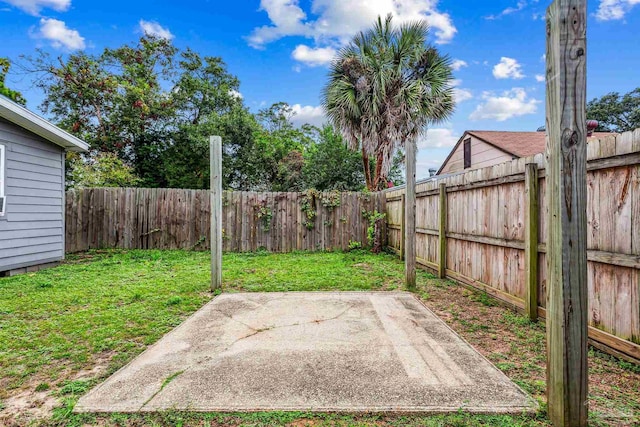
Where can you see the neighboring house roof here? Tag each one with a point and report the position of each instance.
(32, 122)
(517, 144)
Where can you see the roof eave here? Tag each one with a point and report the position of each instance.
(32, 122)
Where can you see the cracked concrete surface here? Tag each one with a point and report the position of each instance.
(312, 351)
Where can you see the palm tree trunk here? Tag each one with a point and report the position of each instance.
(378, 178)
(367, 170)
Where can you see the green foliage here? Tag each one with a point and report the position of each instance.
(13, 95)
(154, 106)
(264, 214)
(374, 230)
(331, 165)
(615, 112)
(141, 101)
(102, 170)
(280, 149)
(330, 200)
(308, 207)
(354, 245)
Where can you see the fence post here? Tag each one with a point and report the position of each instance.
(402, 219)
(410, 215)
(442, 233)
(215, 153)
(566, 188)
(531, 210)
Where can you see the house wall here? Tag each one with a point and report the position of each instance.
(482, 155)
(32, 229)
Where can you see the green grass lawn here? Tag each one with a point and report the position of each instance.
(65, 329)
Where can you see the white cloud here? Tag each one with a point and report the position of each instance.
(461, 95)
(331, 22)
(313, 56)
(438, 138)
(59, 35)
(611, 10)
(540, 78)
(35, 6)
(507, 68)
(304, 114)
(235, 94)
(508, 11)
(512, 103)
(456, 64)
(152, 28)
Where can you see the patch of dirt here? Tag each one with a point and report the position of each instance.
(29, 405)
(24, 405)
(363, 266)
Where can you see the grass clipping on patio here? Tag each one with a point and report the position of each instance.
(64, 329)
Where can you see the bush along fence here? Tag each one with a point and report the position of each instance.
(487, 229)
(143, 218)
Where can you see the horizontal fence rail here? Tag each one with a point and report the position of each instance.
(145, 218)
(481, 240)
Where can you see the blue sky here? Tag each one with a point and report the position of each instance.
(279, 48)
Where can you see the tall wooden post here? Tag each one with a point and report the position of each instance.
(410, 216)
(215, 155)
(442, 232)
(402, 219)
(531, 240)
(567, 221)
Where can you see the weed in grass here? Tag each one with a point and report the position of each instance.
(76, 387)
(483, 298)
(505, 366)
(174, 301)
(43, 387)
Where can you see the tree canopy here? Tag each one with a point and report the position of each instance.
(14, 95)
(615, 112)
(147, 111)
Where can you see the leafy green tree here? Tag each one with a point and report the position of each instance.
(615, 112)
(186, 162)
(142, 102)
(280, 149)
(331, 165)
(385, 88)
(15, 96)
(102, 170)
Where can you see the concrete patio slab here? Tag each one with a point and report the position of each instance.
(334, 351)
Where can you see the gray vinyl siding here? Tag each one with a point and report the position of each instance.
(32, 230)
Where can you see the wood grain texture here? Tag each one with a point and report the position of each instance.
(215, 188)
(410, 215)
(142, 218)
(531, 241)
(567, 322)
(442, 232)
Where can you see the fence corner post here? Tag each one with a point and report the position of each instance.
(442, 232)
(215, 155)
(531, 222)
(566, 193)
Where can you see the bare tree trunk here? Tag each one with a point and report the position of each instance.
(367, 170)
(378, 178)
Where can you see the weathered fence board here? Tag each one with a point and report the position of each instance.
(153, 218)
(485, 234)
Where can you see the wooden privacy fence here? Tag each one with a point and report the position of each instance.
(486, 228)
(143, 218)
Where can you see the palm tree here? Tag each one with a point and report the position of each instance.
(384, 89)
